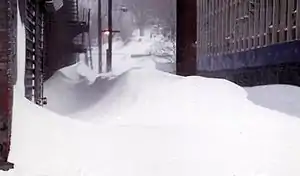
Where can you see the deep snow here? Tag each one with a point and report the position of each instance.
(282, 98)
(170, 126)
(144, 122)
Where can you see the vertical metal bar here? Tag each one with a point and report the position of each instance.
(216, 26)
(202, 27)
(272, 22)
(242, 25)
(289, 19)
(283, 21)
(246, 22)
(109, 53)
(268, 21)
(275, 21)
(234, 26)
(214, 35)
(99, 37)
(226, 19)
(256, 23)
(221, 6)
(298, 20)
(228, 26)
(209, 27)
(217, 29)
(221, 30)
(250, 24)
(227, 30)
(262, 6)
(231, 25)
(233, 22)
(198, 29)
(212, 28)
(89, 41)
(239, 25)
(205, 25)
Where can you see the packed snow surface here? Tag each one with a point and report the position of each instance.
(283, 98)
(145, 122)
(171, 126)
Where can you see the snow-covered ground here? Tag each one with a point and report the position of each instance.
(282, 98)
(144, 122)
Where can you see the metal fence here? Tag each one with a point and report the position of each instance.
(230, 26)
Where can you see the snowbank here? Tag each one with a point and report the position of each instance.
(283, 98)
(161, 125)
(171, 126)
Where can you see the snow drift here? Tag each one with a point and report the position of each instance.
(282, 98)
(170, 125)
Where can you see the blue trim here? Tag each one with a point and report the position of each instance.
(270, 55)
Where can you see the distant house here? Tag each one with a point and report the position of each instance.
(249, 42)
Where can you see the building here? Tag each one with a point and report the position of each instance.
(8, 40)
(250, 42)
(50, 26)
(33, 14)
(55, 34)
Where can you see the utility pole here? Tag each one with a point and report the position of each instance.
(109, 50)
(99, 37)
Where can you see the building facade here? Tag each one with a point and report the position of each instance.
(250, 42)
(55, 34)
(46, 23)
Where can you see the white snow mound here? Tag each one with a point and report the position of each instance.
(182, 126)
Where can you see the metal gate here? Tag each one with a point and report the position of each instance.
(34, 24)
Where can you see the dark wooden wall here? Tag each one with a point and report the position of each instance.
(58, 40)
(186, 37)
